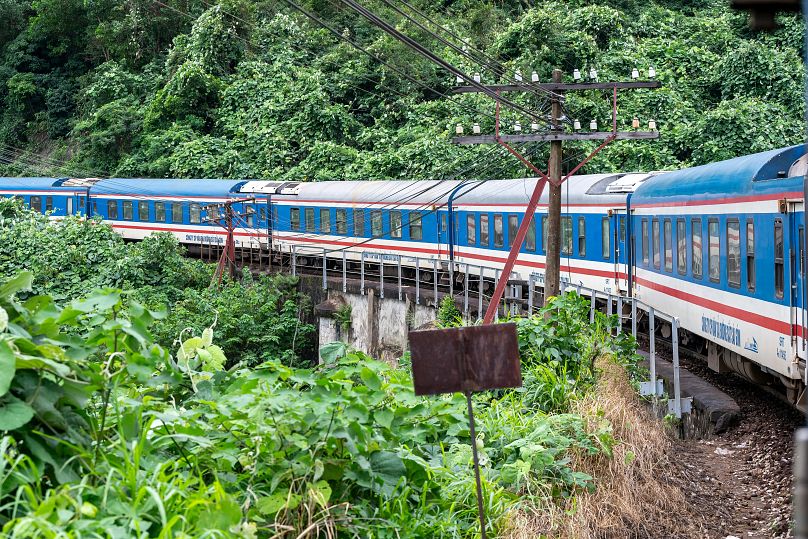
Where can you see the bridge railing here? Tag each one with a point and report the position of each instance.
(435, 268)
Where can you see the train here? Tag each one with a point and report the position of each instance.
(720, 246)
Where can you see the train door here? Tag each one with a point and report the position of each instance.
(796, 278)
(443, 232)
(620, 251)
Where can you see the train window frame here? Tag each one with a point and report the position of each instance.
(35, 203)
(294, 219)
(160, 212)
(325, 220)
(195, 213)
(779, 261)
(713, 225)
(396, 224)
(359, 223)
(308, 220)
(143, 211)
(696, 247)
(484, 239)
(249, 210)
(581, 236)
(376, 224)
(530, 237)
(128, 210)
(82, 204)
(471, 229)
(499, 237)
(443, 222)
(733, 245)
(566, 235)
(48, 204)
(656, 255)
(69, 205)
(341, 221)
(606, 238)
(621, 227)
(513, 227)
(112, 209)
(416, 223)
(667, 233)
(751, 273)
(681, 246)
(645, 241)
(176, 212)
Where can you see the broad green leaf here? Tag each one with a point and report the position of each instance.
(217, 357)
(207, 337)
(333, 351)
(14, 413)
(7, 367)
(269, 505)
(3, 319)
(320, 492)
(388, 467)
(384, 417)
(22, 281)
(371, 379)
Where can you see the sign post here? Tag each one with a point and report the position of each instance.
(464, 360)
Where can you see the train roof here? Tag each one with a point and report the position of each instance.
(166, 187)
(740, 175)
(29, 184)
(584, 189)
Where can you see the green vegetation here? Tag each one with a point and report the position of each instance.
(110, 435)
(251, 88)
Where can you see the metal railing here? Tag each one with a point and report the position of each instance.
(653, 387)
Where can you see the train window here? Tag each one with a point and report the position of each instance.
(294, 218)
(195, 213)
(359, 223)
(645, 241)
(48, 203)
(250, 211)
(395, 224)
(544, 233)
(655, 243)
(668, 227)
(566, 235)
(779, 277)
(443, 227)
(95, 208)
(606, 237)
(376, 225)
(342, 221)
(513, 226)
(499, 240)
(622, 221)
(69, 206)
(36, 203)
(160, 212)
(325, 220)
(176, 212)
(530, 238)
(750, 254)
(262, 213)
(143, 210)
(81, 204)
(681, 247)
(714, 250)
(697, 254)
(581, 237)
(128, 212)
(471, 229)
(734, 253)
(112, 209)
(484, 230)
(416, 228)
(308, 218)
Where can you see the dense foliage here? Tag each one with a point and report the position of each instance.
(253, 319)
(111, 435)
(251, 88)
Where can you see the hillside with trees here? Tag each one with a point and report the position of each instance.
(245, 88)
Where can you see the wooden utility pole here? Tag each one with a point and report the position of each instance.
(227, 219)
(555, 135)
(552, 271)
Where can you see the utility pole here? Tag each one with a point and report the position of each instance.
(227, 219)
(556, 135)
(552, 270)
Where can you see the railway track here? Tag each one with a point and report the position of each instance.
(741, 479)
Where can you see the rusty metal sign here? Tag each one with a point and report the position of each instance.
(473, 358)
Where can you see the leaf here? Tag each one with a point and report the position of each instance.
(3, 319)
(217, 357)
(384, 418)
(388, 467)
(333, 351)
(270, 505)
(14, 413)
(320, 492)
(371, 379)
(8, 367)
(207, 337)
(22, 281)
